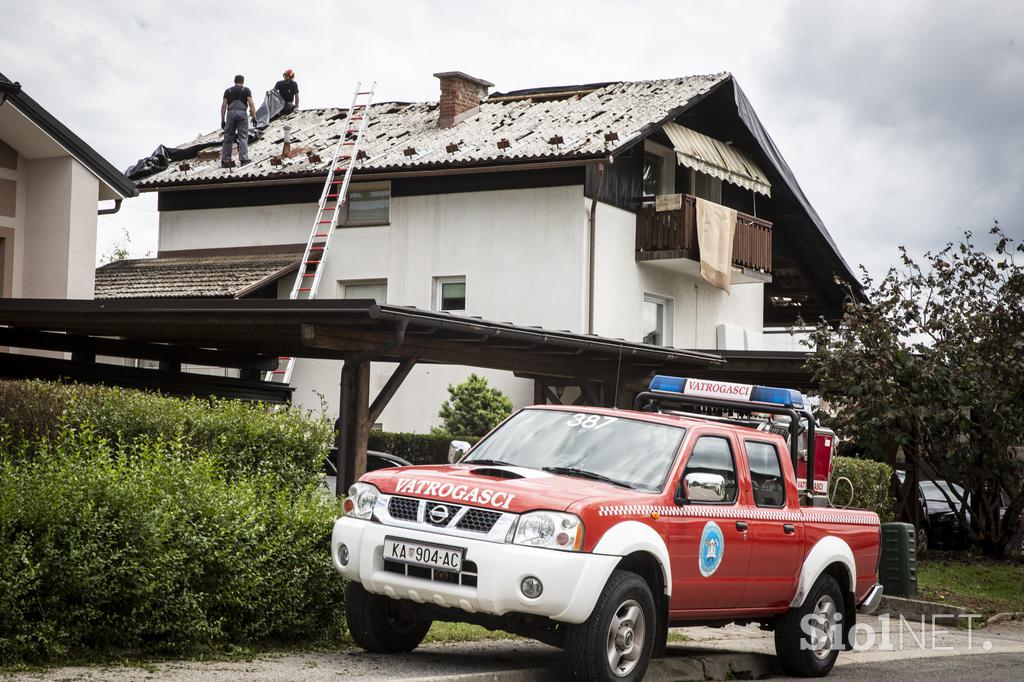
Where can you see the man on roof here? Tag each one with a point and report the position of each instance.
(289, 90)
(235, 123)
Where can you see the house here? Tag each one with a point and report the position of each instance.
(569, 208)
(50, 183)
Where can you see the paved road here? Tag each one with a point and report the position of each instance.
(988, 667)
(993, 654)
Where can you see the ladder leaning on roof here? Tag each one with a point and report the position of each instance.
(332, 203)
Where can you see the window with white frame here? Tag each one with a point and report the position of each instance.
(657, 320)
(376, 289)
(450, 294)
(368, 203)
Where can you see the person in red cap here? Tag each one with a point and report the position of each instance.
(289, 91)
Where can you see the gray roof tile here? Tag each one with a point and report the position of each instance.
(528, 124)
(189, 277)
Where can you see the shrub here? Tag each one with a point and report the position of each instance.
(417, 448)
(473, 408)
(149, 548)
(871, 485)
(246, 438)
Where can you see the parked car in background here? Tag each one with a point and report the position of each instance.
(940, 526)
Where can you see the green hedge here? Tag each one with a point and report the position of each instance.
(246, 438)
(151, 548)
(417, 448)
(871, 481)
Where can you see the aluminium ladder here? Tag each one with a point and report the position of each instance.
(332, 203)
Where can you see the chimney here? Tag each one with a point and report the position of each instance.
(460, 96)
(287, 149)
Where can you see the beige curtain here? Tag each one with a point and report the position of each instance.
(716, 225)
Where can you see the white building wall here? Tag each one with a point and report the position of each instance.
(523, 253)
(519, 251)
(218, 228)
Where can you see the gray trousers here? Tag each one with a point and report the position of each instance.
(236, 127)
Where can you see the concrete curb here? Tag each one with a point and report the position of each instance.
(1003, 617)
(678, 665)
(917, 608)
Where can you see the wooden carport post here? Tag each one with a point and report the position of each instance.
(355, 415)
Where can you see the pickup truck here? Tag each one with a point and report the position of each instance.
(595, 530)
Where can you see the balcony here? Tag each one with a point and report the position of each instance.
(669, 239)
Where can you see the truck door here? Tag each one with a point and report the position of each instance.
(708, 547)
(776, 533)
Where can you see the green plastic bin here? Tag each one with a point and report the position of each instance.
(897, 569)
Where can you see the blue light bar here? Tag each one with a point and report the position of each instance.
(725, 390)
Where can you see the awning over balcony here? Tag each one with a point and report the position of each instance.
(717, 159)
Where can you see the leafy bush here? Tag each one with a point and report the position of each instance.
(417, 448)
(871, 481)
(473, 408)
(149, 548)
(246, 438)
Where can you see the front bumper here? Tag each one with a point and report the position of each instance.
(871, 602)
(572, 580)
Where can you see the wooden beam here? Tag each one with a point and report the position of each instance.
(453, 353)
(390, 388)
(126, 348)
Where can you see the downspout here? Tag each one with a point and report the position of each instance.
(111, 211)
(591, 245)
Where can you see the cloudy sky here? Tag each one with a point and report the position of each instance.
(904, 122)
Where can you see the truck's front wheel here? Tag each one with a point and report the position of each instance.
(616, 642)
(807, 638)
(379, 624)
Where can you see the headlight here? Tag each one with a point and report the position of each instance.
(554, 530)
(360, 500)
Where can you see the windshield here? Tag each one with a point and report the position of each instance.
(932, 493)
(636, 453)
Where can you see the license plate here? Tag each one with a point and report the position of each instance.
(424, 554)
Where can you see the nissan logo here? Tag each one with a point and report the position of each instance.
(439, 514)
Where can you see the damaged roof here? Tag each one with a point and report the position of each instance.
(225, 276)
(586, 122)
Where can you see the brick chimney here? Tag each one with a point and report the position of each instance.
(460, 96)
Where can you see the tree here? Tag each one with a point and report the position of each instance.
(473, 408)
(934, 364)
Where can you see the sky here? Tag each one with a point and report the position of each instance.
(903, 122)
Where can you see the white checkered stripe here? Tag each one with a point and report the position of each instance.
(858, 518)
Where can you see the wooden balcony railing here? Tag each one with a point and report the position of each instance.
(673, 234)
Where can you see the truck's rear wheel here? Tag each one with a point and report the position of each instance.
(379, 624)
(811, 651)
(616, 642)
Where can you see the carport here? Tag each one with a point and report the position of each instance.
(250, 335)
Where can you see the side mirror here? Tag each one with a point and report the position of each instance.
(457, 450)
(701, 487)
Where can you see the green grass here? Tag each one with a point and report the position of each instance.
(981, 585)
(442, 633)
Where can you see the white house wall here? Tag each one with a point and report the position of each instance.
(519, 251)
(697, 307)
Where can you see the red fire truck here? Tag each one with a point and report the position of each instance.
(597, 529)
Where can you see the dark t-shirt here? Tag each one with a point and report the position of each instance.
(288, 90)
(237, 96)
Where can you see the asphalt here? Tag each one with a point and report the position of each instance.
(909, 653)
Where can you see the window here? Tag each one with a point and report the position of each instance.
(713, 455)
(653, 166)
(368, 204)
(707, 187)
(765, 474)
(366, 289)
(450, 295)
(657, 320)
